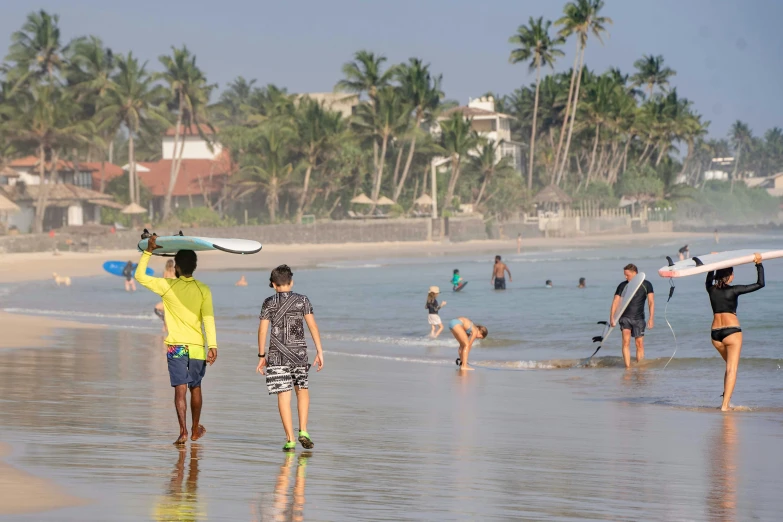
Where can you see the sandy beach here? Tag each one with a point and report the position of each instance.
(32, 266)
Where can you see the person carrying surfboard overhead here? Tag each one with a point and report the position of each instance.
(187, 307)
(632, 322)
(726, 333)
(499, 270)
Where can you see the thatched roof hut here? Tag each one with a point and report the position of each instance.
(553, 196)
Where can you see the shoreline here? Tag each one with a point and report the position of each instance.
(25, 267)
(23, 493)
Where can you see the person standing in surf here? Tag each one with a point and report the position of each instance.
(684, 253)
(632, 322)
(285, 362)
(433, 308)
(127, 272)
(726, 333)
(499, 274)
(519, 243)
(465, 332)
(187, 305)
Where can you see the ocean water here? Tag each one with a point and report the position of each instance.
(533, 434)
(376, 310)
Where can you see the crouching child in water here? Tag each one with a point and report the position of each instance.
(285, 362)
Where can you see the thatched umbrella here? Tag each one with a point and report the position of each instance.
(134, 209)
(384, 201)
(424, 200)
(361, 199)
(553, 197)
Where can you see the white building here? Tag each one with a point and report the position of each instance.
(195, 147)
(492, 125)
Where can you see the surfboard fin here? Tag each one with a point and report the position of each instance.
(180, 233)
(669, 259)
(697, 261)
(598, 338)
(146, 234)
(602, 322)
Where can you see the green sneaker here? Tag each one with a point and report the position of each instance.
(290, 446)
(304, 440)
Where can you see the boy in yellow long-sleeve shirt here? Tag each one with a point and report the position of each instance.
(188, 307)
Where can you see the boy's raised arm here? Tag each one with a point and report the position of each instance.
(156, 284)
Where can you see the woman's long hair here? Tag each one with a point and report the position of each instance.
(431, 297)
(722, 277)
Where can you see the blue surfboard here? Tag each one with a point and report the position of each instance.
(170, 245)
(460, 286)
(116, 268)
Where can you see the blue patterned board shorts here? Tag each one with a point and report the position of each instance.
(281, 379)
(183, 369)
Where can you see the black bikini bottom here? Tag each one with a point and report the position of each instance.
(719, 334)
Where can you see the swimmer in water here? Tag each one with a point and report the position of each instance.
(456, 279)
(548, 283)
(717, 239)
(499, 270)
(465, 332)
(582, 282)
(726, 332)
(242, 281)
(127, 271)
(433, 308)
(684, 252)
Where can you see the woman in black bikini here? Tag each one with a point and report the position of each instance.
(726, 332)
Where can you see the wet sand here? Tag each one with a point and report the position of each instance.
(31, 266)
(394, 441)
(21, 492)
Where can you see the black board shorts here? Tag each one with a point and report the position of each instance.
(635, 325)
(500, 283)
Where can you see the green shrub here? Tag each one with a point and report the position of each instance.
(203, 217)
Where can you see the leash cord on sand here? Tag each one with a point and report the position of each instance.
(666, 318)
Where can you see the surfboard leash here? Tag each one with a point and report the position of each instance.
(666, 315)
(597, 339)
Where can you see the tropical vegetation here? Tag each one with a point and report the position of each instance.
(599, 135)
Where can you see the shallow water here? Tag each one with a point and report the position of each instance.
(400, 435)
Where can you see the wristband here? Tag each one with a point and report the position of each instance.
(261, 355)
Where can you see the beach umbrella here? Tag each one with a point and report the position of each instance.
(384, 201)
(361, 199)
(425, 200)
(134, 208)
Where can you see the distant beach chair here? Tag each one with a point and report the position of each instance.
(354, 215)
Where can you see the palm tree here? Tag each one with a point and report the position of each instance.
(234, 104)
(581, 17)
(131, 100)
(421, 91)
(457, 139)
(49, 117)
(389, 118)
(651, 73)
(486, 165)
(189, 96)
(318, 130)
(268, 164)
(537, 46)
(365, 75)
(741, 137)
(36, 50)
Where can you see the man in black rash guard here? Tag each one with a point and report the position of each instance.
(632, 321)
(726, 333)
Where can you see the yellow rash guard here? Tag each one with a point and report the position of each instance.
(187, 304)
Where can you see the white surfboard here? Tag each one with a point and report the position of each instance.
(710, 262)
(170, 245)
(630, 290)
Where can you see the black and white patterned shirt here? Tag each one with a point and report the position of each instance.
(285, 311)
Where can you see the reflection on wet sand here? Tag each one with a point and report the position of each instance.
(722, 493)
(283, 507)
(636, 377)
(178, 504)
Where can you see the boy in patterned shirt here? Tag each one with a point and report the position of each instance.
(286, 359)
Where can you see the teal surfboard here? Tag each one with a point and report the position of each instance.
(170, 245)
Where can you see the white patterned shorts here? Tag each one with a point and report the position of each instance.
(434, 319)
(281, 379)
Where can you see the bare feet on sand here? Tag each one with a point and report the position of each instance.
(466, 368)
(198, 432)
(183, 437)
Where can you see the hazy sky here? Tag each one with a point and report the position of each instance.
(727, 54)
